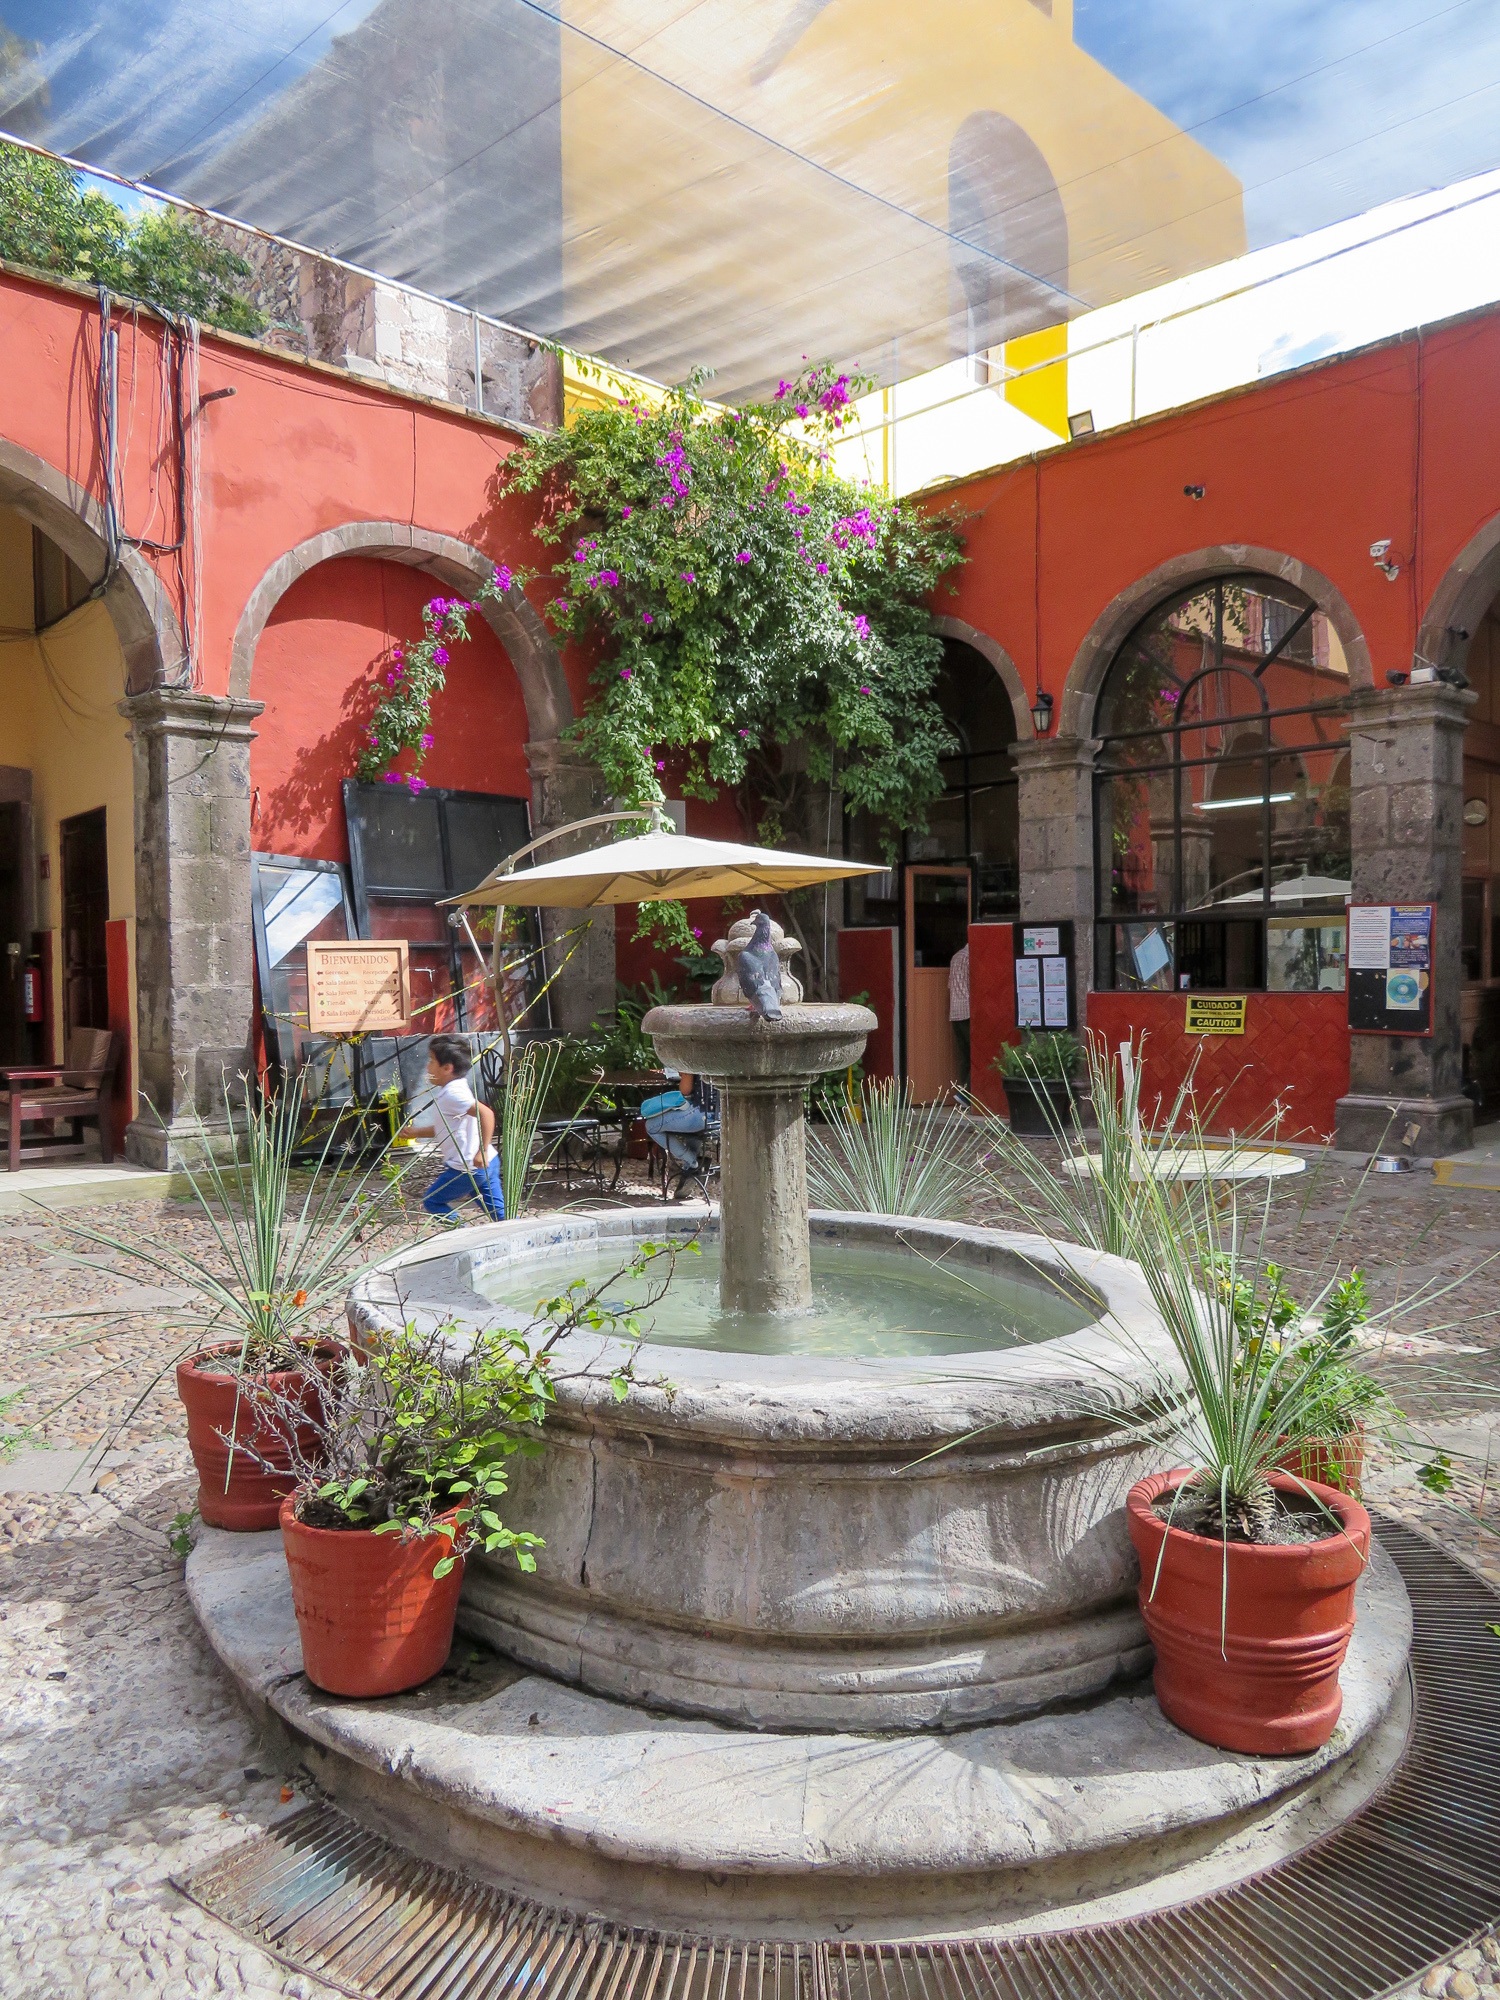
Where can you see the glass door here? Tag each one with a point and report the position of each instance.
(937, 927)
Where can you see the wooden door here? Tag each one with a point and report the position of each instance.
(937, 926)
(85, 914)
(14, 944)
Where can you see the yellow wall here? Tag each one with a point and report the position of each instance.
(59, 720)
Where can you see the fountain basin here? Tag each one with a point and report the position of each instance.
(814, 1541)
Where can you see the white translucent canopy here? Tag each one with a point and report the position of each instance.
(656, 867)
(732, 184)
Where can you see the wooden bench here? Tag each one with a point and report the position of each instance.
(78, 1092)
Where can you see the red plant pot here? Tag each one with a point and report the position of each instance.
(1269, 1683)
(1335, 1461)
(373, 1618)
(233, 1491)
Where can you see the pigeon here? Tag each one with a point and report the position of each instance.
(759, 970)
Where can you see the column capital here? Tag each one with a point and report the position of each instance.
(1430, 705)
(164, 711)
(1055, 753)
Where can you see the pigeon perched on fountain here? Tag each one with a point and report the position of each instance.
(759, 970)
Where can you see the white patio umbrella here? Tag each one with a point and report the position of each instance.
(656, 867)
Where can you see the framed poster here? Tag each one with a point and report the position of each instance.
(1390, 968)
(359, 988)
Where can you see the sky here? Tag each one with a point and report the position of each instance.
(1325, 110)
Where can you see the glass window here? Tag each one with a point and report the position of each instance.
(1222, 792)
(407, 851)
(295, 903)
(975, 819)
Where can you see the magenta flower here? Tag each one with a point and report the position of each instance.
(865, 690)
(393, 777)
(782, 389)
(802, 409)
(416, 784)
(661, 764)
(440, 656)
(822, 569)
(861, 627)
(744, 732)
(688, 576)
(626, 512)
(427, 741)
(625, 674)
(647, 619)
(504, 577)
(696, 932)
(581, 554)
(743, 556)
(561, 604)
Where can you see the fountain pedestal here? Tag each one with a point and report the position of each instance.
(763, 1069)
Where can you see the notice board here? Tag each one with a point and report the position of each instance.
(1044, 976)
(359, 988)
(1390, 968)
(1215, 1014)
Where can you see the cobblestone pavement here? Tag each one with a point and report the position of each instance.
(126, 1760)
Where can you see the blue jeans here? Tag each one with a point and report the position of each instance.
(670, 1128)
(455, 1184)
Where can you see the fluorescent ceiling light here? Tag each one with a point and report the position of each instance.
(1227, 805)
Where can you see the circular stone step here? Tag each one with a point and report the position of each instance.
(1098, 1811)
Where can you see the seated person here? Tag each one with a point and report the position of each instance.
(676, 1118)
(465, 1130)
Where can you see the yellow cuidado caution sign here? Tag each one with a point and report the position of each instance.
(1215, 1014)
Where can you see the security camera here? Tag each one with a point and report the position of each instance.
(1380, 549)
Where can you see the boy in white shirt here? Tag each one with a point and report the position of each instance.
(465, 1130)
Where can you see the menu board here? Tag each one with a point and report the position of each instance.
(359, 988)
(1390, 968)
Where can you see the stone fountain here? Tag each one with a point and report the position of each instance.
(834, 1632)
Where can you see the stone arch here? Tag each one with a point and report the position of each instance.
(136, 600)
(513, 620)
(1467, 589)
(1114, 624)
(1001, 661)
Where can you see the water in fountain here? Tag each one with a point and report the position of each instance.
(870, 1303)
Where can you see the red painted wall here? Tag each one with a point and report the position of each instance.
(867, 964)
(316, 668)
(992, 1008)
(1294, 1052)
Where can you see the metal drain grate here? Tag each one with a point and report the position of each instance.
(1402, 1883)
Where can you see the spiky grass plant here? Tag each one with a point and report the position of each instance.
(529, 1079)
(889, 1156)
(1095, 1195)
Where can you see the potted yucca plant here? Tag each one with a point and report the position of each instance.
(289, 1243)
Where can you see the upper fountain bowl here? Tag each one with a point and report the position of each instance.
(723, 1042)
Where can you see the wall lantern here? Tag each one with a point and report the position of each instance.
(1041, 713)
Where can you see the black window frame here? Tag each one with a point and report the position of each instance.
(1176, 919)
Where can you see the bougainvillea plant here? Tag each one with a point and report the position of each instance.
(400, 724)
(757, 619)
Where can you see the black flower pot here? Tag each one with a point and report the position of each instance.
(1030, 1102)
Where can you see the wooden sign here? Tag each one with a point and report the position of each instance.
(1215, 1014)
(359, 988)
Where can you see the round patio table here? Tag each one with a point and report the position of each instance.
(1201, 1163)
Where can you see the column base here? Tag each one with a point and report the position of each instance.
(1420, 1128)
(165, 1148)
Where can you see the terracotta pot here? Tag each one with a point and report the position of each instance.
(1270, 1684)
(1028, 1102)
(237, 1493)
(1335, 1461)
(373, 1618)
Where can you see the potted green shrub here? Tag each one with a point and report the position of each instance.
(1248, 1571)
(1038, 1074)
(401, 1475)
(258, 1331)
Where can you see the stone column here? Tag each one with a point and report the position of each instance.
(1057, 845)
(565, 786)
(193, 941)
(766, 1260)
(1406, 779)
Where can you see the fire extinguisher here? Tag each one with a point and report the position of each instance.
(31, 992)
